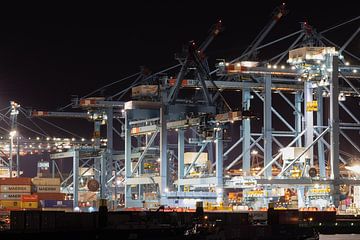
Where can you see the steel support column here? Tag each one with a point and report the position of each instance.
(334, 120)
(103, 175)
(127, 159)
(219, 165)
(320, 122)
(76, 178)
(163, 153)
(298, 117)
(267, 126)
(180, 157)
(246, 132)
(309, 119)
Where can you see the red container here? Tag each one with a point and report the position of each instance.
(51, 196)
(29, 198)
(15, 181)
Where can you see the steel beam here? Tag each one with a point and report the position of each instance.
(320, 122)
(180, 157)
(303, 152)
(219, 165)
(163, 187)
(334, 119)
(76, 178)
(309, 119)
(246, 128)
(128, 166)
(267, 126)
(279, 154)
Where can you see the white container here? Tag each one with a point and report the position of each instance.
(47, 189)
(15, 188)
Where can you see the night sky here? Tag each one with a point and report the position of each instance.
(49, 53)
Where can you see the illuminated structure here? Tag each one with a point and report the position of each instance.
(170, 123)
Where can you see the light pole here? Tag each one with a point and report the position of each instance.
(12, 135)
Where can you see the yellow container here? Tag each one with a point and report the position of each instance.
(10, 203)
(29, 204)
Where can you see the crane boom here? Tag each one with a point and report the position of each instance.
(250, 52)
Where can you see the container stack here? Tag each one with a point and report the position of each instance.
(12, 190)
(29, 201)
(47, 189)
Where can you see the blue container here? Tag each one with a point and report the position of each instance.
(56, 203)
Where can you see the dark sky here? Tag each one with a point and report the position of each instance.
(48, 53)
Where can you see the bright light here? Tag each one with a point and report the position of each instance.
(274, 67)
(92, 140)
(13, 133)
(282, 67)
(347, 63)
(47, 139)
(166, 189)
(77, 209)
(355, 71)
(318, 61)
(269, 66)
(238, 64)
(254, 152)
(118, 182)
(91, 209)
(158, 160)
(73, 139)
(299, 79)
(37, 138)
(83, 139)
(226, 64)
(293, 68)
(355, 168)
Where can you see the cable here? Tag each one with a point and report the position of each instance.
(60, 128)
(339, 25)
(24, 126)
(32, 121)
(99, 89)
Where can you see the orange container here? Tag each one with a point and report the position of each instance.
(29, 198)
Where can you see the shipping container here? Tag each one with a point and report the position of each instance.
(144, 91)
(10, 203)
(46, 181)
(12, 196)
(15, 188)
(29, 198)
(56, 204)
(29, 204)
(47, 189)
(15, 181)
(51, 196)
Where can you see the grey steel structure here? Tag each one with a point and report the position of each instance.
(185, 115)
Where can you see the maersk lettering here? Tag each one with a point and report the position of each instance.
(17, 188)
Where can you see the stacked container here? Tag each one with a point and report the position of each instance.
(47, 190)
(29, 201)
(12, 190)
